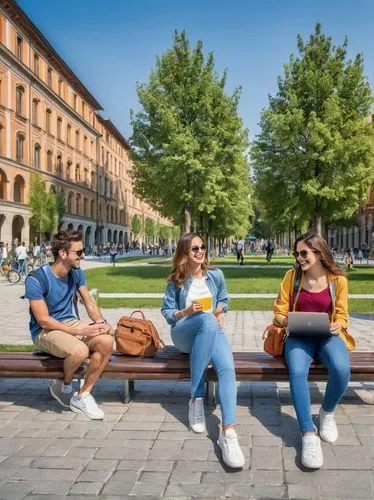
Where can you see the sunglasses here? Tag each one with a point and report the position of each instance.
(79, 252)
(198, 249)
(302, 253)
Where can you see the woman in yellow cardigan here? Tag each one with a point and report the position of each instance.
(323, 288)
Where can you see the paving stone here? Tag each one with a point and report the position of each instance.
(81, 452)
(134, 465)
(117, 488)
(147, 488)
(86, 488)
(193, 490)
(102, 464)
(121, 453)
(157, 465)
(60, 463)
(95, 476)
(27, 473)
(304, 492)
(352, 457)
(266, 457)
(185, 477)
(52, 487)
(132, 434)
(139, 426)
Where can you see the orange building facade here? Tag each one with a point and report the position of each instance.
(50, 124)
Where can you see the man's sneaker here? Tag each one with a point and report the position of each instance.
(196, 416)
(366, 396)
(61, 392)
(327, 426)
(87, 405)
(232, 454)
(311, 455)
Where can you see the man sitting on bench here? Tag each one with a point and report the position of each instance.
(54, 328)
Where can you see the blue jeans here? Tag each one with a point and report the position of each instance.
(201, 335)
(332, 353)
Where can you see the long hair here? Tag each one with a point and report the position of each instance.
(316, 243)
(179, 270)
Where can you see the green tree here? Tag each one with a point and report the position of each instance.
(165, 232)
(312, 160)
(136, 225)
(189, 141)
(47, 208)
(150, 227)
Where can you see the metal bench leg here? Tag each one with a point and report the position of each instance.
(211, 393)
(128, 390)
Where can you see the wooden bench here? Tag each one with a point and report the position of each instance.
(173, 365)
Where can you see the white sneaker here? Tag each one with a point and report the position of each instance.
(232, 454)
(327, 426)
(87, 405)
(311, 455)
(61, 392)
(196, 416)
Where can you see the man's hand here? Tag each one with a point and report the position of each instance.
(94, 329)
(335, 328)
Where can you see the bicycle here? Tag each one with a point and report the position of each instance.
(12, 275)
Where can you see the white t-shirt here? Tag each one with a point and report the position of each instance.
(199, 289)
(21, 253)
(36, 251)
(240, 245)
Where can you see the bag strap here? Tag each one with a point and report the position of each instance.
(41, 277)
(137, 311)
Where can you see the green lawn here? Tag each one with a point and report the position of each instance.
(17, 348)
(257, 259)
(239, 280)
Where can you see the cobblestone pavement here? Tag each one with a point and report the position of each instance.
(144, 449)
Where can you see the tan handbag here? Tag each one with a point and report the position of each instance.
(137, 336)
(274, 338)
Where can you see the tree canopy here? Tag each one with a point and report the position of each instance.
(313, 158)
(190, 159)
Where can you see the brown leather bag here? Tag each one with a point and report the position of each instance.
(274, 338)
(137, 336)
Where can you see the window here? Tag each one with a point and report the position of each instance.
(20, 147)
(59, 128)
(77, 139)
(75, 101)
(49, 161)
(68, 134)
(37, 156)
(48, 115)
(19, 189)
(68, 170)
(60, 87)
(59, 165)
(85, 145)
(36, 64)
(35, 105)
(77, 173)
(19, 98)
(49, 77)
(83, 109)
(19, 48)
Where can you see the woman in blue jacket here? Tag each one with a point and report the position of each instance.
(194, 305)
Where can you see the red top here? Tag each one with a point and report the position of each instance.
(314, 301)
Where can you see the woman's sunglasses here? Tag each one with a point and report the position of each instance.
(198, 249)
(78, 252)
(302, 253)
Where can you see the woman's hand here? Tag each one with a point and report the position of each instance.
(220, 319)
(194, 308)
(335, 328)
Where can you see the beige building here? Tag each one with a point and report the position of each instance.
(50, 123)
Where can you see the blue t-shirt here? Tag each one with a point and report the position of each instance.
(59, 299)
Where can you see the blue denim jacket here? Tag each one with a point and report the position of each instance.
(175, 297)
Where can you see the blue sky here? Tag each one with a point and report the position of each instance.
(113, 44)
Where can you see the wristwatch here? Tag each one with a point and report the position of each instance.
(101, 322)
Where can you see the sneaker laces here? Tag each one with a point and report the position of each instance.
(198, 412)
(310, 447)
(231, 444)
(329, 420)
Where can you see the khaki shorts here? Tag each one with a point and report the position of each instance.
(61, 344)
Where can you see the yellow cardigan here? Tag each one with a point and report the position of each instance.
(282, 305)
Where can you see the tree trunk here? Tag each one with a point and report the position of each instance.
(186, 220)
(317, 223)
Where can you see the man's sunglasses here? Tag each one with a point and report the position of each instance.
(79, 252)
(198, 249)
(302, 253)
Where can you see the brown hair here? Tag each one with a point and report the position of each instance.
(316, 243)
(63, 239)
(179, 270)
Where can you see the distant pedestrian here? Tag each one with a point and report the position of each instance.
(113, 253)
(360, 256)
(270, 247)
(240, 252)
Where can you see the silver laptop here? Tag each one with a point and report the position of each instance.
(308, 324)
